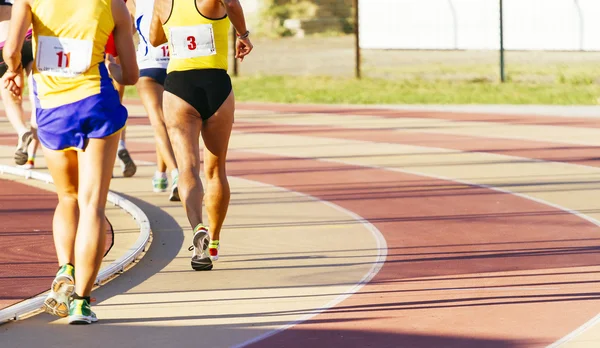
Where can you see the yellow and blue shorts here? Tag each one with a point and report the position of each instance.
(70, 126)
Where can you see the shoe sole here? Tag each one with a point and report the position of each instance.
(21, 155)
(201, 242)
(64, 287)
(81, 320)
(130, 167)
(174, 197)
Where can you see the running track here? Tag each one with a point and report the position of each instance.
(481, 230)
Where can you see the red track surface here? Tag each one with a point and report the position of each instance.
(450, 234)
(28, 258)
(466, 266)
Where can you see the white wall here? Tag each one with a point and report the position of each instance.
(474, 24)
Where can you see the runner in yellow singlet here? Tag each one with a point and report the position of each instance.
(79, 118)
(199, 100)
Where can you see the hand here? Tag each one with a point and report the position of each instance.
(13, 81)
(110, 59)
(242, 48)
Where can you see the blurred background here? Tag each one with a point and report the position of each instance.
(551, 46)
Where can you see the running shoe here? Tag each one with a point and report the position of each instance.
(201, 260)
(213, 250)
(29, 165)
(127, 165)
(160, 184)
(174, 197)
(80, 312)
(63, 286)
(21, 152)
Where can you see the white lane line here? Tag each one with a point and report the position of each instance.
(382, 251)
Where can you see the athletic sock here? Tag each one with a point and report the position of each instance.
(214, 244)
(174, 173)
(77, 297)
(200, 226)
(160, 175)
(121, 145)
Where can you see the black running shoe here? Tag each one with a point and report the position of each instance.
(127, 165)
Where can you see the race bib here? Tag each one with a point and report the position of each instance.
(194, 41)
(63, 57)
(161, 53)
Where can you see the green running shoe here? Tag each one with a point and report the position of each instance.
(160, 184)
(80, 312)
(63, 286)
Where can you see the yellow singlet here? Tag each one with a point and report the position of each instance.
(196, 42)
(69, 37)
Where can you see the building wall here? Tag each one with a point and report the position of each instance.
(474, 24)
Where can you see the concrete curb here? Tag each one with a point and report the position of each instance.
(29, 306)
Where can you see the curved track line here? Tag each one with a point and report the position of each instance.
(580, 329)
(379, 261)
(32, 305)
(574, 333)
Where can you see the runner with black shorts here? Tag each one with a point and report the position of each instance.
(198, 101)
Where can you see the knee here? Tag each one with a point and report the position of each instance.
(69, 198)
(189, 176)
(215, 173)
(91, 203)
(159, 127)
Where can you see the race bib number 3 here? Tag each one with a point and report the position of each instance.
(63, 57)
(194, 41)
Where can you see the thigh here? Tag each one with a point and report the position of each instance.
(95, 167)
(216, 132)
(183, 124)
(63, 166)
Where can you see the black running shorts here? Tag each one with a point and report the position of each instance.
(205, 89)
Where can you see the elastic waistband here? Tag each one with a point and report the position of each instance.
(27, 37)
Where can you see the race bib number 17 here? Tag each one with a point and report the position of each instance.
(193, 41)
(63, 57)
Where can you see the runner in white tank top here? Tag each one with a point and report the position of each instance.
(148, 56)
(153, 63)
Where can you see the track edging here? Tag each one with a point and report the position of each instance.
(134, 253)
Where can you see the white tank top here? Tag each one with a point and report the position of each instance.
(148, 56)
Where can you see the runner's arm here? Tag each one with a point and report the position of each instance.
(236, 15)
(19, 24)
(157, 33)
(243, 46)
(131, 8)
(127, 72)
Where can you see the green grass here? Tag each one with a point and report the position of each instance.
(330, 90)
(383, 91)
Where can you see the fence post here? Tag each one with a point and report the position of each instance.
(357, 41)
(502, 71)
(233, 45)
(581, 25)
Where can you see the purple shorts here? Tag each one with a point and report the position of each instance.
(70, 126)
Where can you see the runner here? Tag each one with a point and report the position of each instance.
(79, 117)
(27, 139)
(153, 63)
(199, 100)
(127, 164)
